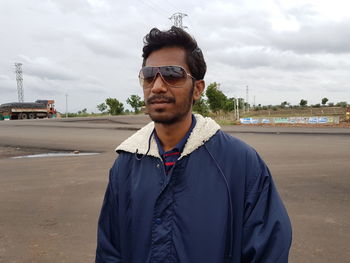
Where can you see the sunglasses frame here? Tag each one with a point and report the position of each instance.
(141, 80)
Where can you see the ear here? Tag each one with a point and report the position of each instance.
(199, 86)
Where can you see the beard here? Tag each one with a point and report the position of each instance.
(179, 115)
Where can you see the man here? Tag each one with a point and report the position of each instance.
(181, 189)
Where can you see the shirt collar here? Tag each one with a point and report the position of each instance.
(180, 146)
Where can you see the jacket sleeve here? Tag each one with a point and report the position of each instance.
(267, 232)
(108, 238)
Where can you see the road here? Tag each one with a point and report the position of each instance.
(49, 206)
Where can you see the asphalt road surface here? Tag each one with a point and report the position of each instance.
(49, 207)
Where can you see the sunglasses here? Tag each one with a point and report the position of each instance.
(174, 76)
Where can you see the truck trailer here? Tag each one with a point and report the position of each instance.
(28, 110)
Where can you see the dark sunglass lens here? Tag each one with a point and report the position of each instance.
(147, 74)
(173, 75)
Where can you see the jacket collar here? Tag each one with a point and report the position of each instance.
(205, 128)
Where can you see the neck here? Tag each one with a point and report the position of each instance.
(171, 134)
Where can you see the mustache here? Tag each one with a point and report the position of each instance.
(164, 98)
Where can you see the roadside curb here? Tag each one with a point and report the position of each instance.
(288, 131)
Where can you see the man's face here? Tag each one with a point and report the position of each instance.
(166, 104)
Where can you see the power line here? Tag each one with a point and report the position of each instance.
(176, 8)
(152, 7)
(160, 8)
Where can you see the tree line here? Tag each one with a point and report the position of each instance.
(115, 107)
(212, 101)
(215, 101)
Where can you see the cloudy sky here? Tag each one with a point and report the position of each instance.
(91, 49)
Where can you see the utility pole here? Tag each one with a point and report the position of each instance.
(247, 98)
(235, 108)
(19, 79)
(66, 105)
(177, 20)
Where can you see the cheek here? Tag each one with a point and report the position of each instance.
(184, 97)
(145, 94)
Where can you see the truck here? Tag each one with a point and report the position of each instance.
(28, 110)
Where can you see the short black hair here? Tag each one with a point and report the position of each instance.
(176, 37)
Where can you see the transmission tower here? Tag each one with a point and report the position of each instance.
(19, 79)
(177, 20)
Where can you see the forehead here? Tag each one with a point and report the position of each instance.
(167, 56)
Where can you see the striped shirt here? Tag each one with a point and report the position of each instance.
(170, 157)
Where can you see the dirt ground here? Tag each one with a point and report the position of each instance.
(49, 206)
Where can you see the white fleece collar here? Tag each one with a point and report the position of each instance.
(205, 128)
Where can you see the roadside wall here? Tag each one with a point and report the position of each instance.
(292, 120)
(300, 111)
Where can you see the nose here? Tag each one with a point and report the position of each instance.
(159, 86)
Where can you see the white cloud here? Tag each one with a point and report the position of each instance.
(45, 68)
(91, 49)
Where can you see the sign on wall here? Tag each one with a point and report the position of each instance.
(292, 120)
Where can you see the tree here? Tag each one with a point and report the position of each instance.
(284, 104)
(83, 111)
(102, 107)
(201, 106)
(303, 102)
(324, 101)
(343, 104)
(115, 107)
(216, 99)
(241, 103)
(135, 102)
(229, 105)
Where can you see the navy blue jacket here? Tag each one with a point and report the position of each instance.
(219, 204)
